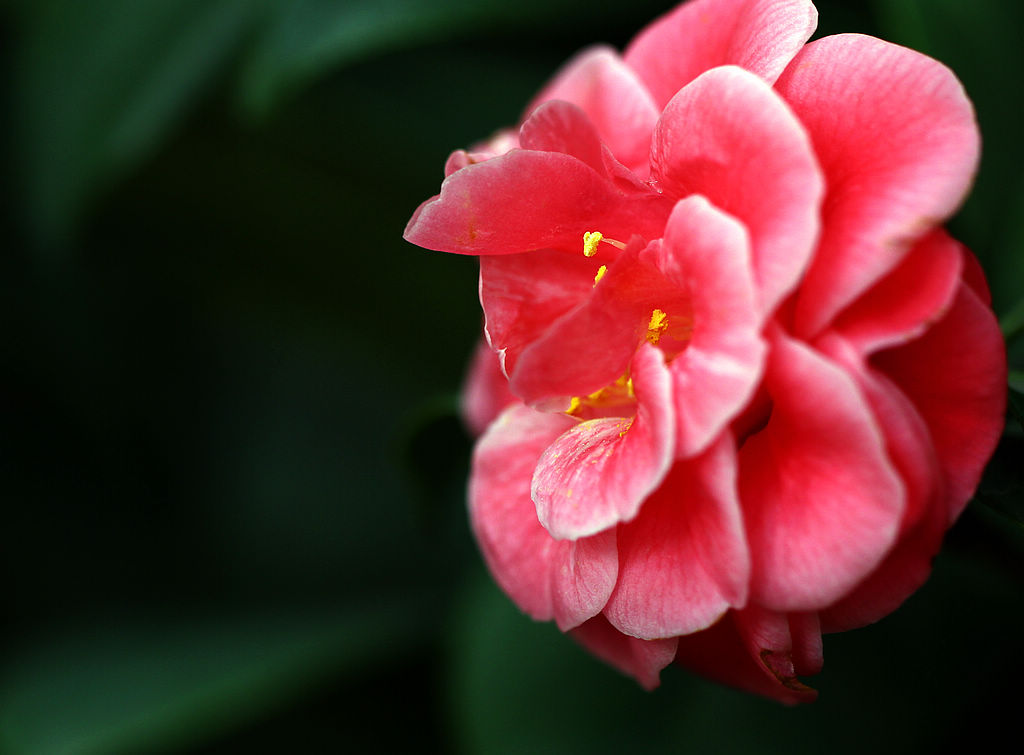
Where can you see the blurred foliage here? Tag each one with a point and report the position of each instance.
(233, 476)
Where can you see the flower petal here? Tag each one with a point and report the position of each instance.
(707, 254)
(761, 36)
(599, 472)
(909, 299)
(641, 659)
(568, 581)
(759, 651)
(525, 200)
(615, 100)
(955, 375)
(485, 391)
(730, 138)
(898, 143)
(524, 295)
(821, 500)
(683, 561)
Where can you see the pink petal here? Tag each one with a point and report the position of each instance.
(641, 659)
(599, 472)
(821, 500)
(909, 446)
(523, 295)
(955, 375)
(706, 254)
(730, 138)
(683, 561)
(568, 581)
(898, 143)
(758, 651)
(563, 127)
(485, 392)
(609, 92)
(909, 299)
(591, 346)
(525, 200)
(761, 36)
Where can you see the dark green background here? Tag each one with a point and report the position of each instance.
(231, 472)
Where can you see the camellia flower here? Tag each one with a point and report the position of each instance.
(738, 381)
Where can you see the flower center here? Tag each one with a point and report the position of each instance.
(614, 400)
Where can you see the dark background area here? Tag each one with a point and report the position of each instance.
(231, 466)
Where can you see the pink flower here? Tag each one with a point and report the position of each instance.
(744, 380)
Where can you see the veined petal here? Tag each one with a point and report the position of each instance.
(761, 36)
(614, 99)
(821, 500)
(707, 254)
(758, 650)
(599, 472)
(955, 375)
(568, 581)
(683, 561)
(641, 659)
(898, 143)
(526, 200)
(730, 138)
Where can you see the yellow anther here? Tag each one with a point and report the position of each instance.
(590, 242)
(574, 404)
(600, 273)
(657, 326)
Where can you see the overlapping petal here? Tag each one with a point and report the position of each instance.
(761, 36)
(821, 500)
(641, 659)
(730, 138)
(898, 143)
(683, 561)
(568, 581)
(599, 473)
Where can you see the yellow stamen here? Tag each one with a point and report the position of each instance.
(590, 242)
(657, 326)
(574, 404)
(600, 273)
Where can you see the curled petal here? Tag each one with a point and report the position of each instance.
(527, 199)
(706, 254)
(730, 138)
(760, 651)
(898, 143)
(761, 36)
(641, 659)
(567, 581)
(599, 472)
(614, 99)
(683, 561)
(955, 375)
(821, 499)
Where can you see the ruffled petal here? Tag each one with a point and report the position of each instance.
(759, 651)
(898, 143)
(599, 472)
(955, 375)
(730, 138)
(909, 299)
(525, 200)
(567, 581)
(614, 99)
(683, 561)
(641, 659)
(706, 254)
(821, 499)
(761, 36)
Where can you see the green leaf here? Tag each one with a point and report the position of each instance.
(100, 83)
(143, 686)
